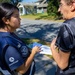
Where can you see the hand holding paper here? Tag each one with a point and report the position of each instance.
(44, 49)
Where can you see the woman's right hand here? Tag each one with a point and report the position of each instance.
(35, 50)
(52, 46)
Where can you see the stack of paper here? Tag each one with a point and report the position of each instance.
(44, 49)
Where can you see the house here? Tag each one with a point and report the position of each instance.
(27, 8)
(37, 7)
(42, 6)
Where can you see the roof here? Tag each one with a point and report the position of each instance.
(42, 5)
(24, 4)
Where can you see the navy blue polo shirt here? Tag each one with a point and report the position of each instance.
(13, 58)
(16, 53)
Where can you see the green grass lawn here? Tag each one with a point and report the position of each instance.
(40, 16)
(28, 41)
(35, 16)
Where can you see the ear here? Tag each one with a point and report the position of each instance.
(6, 21)
(73, 6)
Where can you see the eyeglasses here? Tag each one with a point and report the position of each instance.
(60, 5)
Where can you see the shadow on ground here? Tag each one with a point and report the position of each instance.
(43, 32)
(44, 65)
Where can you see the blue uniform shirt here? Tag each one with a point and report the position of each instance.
(17, 52)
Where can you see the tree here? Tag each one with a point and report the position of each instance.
(15, 2)
(52, 8)
(4, 1)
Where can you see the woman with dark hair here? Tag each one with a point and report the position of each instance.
(15, 56)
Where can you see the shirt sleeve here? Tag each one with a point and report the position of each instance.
(65, 39)
(13, 58)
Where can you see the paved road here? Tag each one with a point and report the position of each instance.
(44, 65)
(44, 30)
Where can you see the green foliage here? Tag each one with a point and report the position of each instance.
(15, 2)
(28, 41)
(52, 8)
(4, 1)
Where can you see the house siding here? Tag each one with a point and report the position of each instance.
(38, 7)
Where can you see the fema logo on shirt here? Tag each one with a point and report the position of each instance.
(11, 59)
(24, 51)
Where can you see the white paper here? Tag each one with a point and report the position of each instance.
(45, 50)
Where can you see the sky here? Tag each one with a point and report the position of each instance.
(30, 0)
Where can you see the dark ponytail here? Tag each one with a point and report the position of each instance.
(6, 10)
